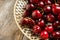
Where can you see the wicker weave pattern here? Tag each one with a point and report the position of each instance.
(19, 9)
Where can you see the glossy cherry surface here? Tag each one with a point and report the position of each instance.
(30, 7)
(44, 35)
(41, 4)
(56, 34)
(48, 2)
(47, 9)
(31, 22)
(41, 23)
(24, 21)
(55, 24)
(50, 18)
(34, 1)
(49, 28)
(36, 29)
(55, 9)
(36, 14)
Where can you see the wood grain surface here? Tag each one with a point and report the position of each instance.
(8, 27)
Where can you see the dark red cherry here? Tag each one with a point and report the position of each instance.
(49, 28)
(26, 13)
(41, 4)
(47, 9)
(44, 0)
(52, 1)
(36, 29)
(24, 21)
(50, 18)
(56, 34)
(55, 4)
(59, 17)
(28, 21)
(31, 22)
(30, 7)
(48, 2)
(41, 23)
(36, 14)
(55, 24)
(34, 1)
(44, 35)
(55, 9)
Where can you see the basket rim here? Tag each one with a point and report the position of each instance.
(16, 21)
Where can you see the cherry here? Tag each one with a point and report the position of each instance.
(31, 22)
(41, 23)
(56, 34)
(47, 9)
(44, 0)
(41, 4)
(36, 29)
(24, 21)
(55, 4)
(55, 9)
(30, 7)
(49, 28)
(26, 13)
(48, 2)
(55, 24)
(36, 14)
(58, 17)
(34, 1)
(50, 18)
(52, 1)
(44, 35)
(28, 21)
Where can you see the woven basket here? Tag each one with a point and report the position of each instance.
(19, 9)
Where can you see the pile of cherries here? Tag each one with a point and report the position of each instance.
(43, 17)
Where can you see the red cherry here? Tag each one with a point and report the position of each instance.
(30, 7)
(34, 1)
(55, 24)
(36, 29)
(47, 9)
(55, 9)
(36, 14)
(44, 35)
(59, 17)
(41, 23)
(24, 21)
(26, 13)
(31, 22)
(41, 4)
(28, 21)
(49, 28)
(48, 2)
(56, 34)
(44, 0)
(50, 18)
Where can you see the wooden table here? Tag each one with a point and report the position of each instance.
(8, 27)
